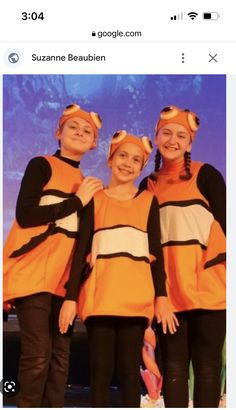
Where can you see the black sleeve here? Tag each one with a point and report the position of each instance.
(143, 184)
(212, 185)
(155, 249)
(82, 250)
(28, 211)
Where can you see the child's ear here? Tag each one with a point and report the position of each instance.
(109, 163)
(189, 148)
(156, 140)
(58, 134)
(95, 143)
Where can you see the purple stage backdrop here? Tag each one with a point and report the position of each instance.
(32, 105)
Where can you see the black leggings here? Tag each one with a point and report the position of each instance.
(115, 339)
(200, 338)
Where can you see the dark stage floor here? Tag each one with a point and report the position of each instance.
(75, 396)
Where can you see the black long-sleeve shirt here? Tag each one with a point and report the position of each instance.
(37, 175)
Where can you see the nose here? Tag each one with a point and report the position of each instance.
(127, 162)
(172, 138)
(79, 131)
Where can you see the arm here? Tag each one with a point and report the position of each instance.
(163, 311)
(212, 185)
(155, 249)
(28, 211)
(83, 248)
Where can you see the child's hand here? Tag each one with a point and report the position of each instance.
(165, 315)
(88, 188)
(67, 315)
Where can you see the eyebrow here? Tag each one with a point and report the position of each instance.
(179, 132)
(75, 122)
(135, 155)
(183, 132)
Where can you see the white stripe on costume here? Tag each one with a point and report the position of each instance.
(184, 223)
(70, 222)
(121, 239)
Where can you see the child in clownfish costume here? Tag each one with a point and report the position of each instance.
(126, 283)
(38, 252)
(192, 216)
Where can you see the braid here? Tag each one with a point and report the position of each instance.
(187, 166)
(153, 175)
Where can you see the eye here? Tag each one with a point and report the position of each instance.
(182, 136)
(70, 109)
(118, 136)
(166, 109)
(169, 112)
(193, 121)
(96, 119)
(147, 144)
(122, 155)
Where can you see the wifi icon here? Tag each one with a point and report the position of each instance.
(192, 15)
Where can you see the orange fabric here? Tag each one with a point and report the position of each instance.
(181, 118)
(46, 267)
(133, 140)
(119, 285)
(133, 212)
(191, 283)
(81, 114)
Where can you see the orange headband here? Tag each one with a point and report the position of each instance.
(74, 110)
(121, 137)
(176, 115)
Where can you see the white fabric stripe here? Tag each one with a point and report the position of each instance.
(123, 239)
(185, 223)
(70, 222)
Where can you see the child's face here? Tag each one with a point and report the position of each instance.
(173, 140)
(76, 137)
(126, 163)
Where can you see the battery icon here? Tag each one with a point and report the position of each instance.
(211, 15)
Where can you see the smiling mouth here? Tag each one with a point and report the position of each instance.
(171, 148)
(125, 171)
(77, 139)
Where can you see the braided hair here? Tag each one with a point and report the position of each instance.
(153, 175)
(187, 166)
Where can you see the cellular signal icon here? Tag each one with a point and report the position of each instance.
(177, 17)
(192, 15)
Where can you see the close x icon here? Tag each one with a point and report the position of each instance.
(213, 58)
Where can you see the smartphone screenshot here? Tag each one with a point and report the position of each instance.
(117, 145)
